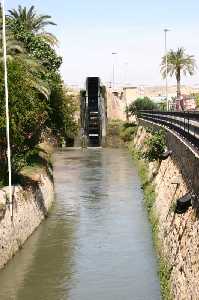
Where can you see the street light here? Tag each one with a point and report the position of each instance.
(113, 84)
(166, 62)
(125, 87)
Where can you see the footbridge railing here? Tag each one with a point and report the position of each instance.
(184, 123)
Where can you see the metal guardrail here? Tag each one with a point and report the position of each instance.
(184, 123)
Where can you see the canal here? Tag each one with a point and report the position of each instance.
(96, 243)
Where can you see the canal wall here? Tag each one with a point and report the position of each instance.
(177, 234)
(31, 204)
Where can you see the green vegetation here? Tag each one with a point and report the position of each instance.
(149, 200)
(196, 97)
(149, 192)
(124, 131)
(155, 146)
(38, 100)
(165, 274)
(141, 104)
(114, 127)
(127, 131)
(178, 62)
(32, 22)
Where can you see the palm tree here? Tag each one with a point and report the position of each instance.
(14, 47)
(16, 51)
(33, 22)
(178, 62)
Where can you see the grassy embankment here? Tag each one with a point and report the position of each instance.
(39, 164)
(149, 201)
(119, 133)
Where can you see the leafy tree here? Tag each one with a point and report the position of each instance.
(62, 108)
(178, 62)
(37, 97)
(28, 113)
(141, 104)
(28, 28)
(37, 47)
(155, 146)
(16, 50)
(14, 47)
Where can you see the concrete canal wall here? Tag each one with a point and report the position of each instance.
(30, 206)
(178, 234)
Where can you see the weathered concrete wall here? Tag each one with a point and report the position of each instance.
(184, 155)
(115, 107)
(178, 233)
(31, 205)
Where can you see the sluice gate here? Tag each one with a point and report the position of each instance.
(93, 113)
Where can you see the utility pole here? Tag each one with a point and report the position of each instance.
(166, 63)
(113, 79)
(125, 89)
(7, 106)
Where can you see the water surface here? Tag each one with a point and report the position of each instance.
(96, 243)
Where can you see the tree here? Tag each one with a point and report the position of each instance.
(62, 108)
(37, 98)
(155, 145)
(32, 22)
(141, 104)
(16, 50)
(28, 114)
(14, 47)
(37, 47)
(178, 62)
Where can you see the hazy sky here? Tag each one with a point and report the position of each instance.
(89, 31)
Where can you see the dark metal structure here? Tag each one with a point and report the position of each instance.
(184, 203)
(184, 123)
(93, 112)
(93, 127)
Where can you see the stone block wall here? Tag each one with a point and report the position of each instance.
(30, 206)
(178, 233)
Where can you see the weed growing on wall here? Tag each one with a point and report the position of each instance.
(149, 200)
(127, 131)
(155, 146)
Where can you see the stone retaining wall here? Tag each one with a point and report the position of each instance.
(184, 154)
(178, 233)
(30, 206)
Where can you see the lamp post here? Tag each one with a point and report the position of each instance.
(113, 79)
(166, 63)
(125, 87)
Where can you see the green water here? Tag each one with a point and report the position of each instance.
(96, 243)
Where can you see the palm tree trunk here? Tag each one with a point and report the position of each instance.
(178, 78)
(178, 89)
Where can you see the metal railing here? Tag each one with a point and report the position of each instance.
(184, 123)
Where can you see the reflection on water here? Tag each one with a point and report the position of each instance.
(96, 244)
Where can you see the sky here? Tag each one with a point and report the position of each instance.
(89, 31)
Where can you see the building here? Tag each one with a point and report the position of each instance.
(185, 103)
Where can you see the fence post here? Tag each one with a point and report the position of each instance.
(188, 122)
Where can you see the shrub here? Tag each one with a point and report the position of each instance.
(155, 146)
(127, 131)
(27, 114)
(141, 104)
